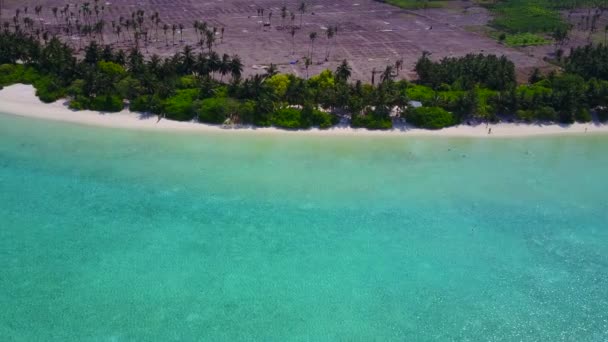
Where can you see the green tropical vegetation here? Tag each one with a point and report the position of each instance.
(522, 39)
(416, 4)
(539, 22)
(431, 117)
(206, 87)
(533, 16)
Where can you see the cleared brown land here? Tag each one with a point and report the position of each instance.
(370, 34)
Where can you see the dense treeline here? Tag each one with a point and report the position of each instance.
(496, 73)
(485, 86)
(589, 62)
(207, 87)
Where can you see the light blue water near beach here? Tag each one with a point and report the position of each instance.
(118, 235)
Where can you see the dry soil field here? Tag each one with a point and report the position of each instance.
(370, 34)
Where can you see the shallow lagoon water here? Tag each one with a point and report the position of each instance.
(121, 235)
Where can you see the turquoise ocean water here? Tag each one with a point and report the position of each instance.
(119, 235)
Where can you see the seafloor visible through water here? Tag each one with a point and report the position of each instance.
(120, 235)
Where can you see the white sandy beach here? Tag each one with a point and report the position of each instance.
(21, 100)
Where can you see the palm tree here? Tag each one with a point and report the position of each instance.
(187, 59)
(196, 25)
(165, 29)
(236, 68)
(330, 34)
(312, 36)
(302, 10)
(154, 64)
(293, 40)
(155, 20)
(173, 29)
(271, 70)
(374, 72)
(118, 30)
(343, 71)
(210, 39)
(140, 18)
(99, 28)
(79, 31)
(399, 65)
(37, 10)
(307, 63)
(388, 74)
(224, 66)
(54, 9)
(128, 26)
(202, 65)
(335, 34)
(283, 15)
(136, 35)
(214, 62)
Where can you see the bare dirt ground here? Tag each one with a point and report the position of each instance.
(370, 35)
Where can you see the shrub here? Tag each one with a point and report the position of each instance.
(420, 93)
(526, 39)
(414, 4)
(461, 103)
(17, 73)
(129, 88)
(140, 104)
(566, 117)
(107, 103)
(431, 117)
(216, 110)
(179, 106)
(10, 73)
(76, 88)
(314, 117)
(48, 89)
(279, 84)
(79, 103)
(582, 115)
(290, 118)
(146, 104)
(602, 114)
(546, 114)
(542, 114)
(29, 75)
(247, 111)
(525, 115)
(187, 82)
(371, 121)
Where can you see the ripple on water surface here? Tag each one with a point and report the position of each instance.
(117, 235)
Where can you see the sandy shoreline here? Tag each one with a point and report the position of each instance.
(21, 100)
